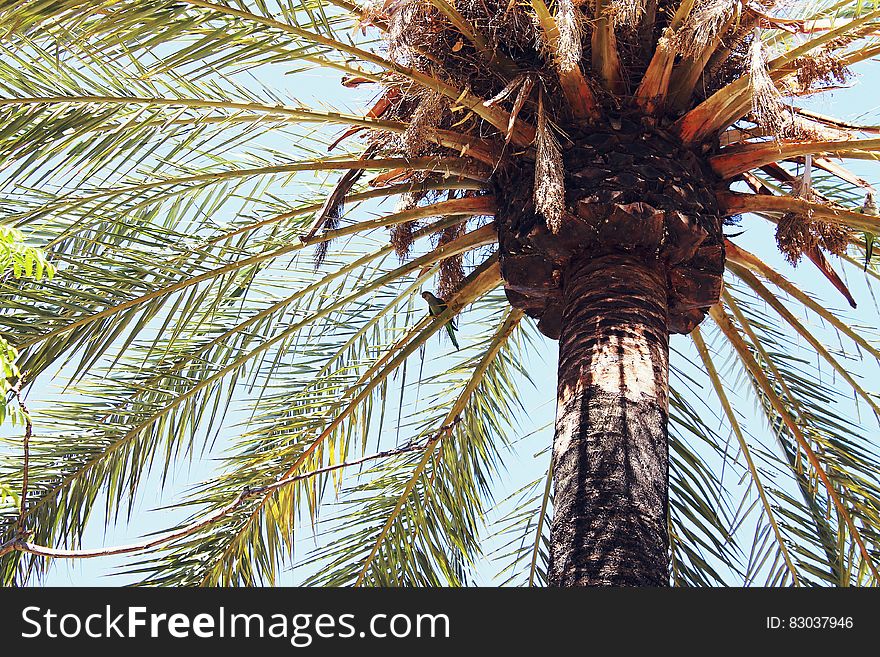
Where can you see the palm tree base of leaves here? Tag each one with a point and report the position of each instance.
(610, 454)
(629, 188)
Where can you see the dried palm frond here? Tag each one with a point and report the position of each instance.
(549, 194)
(569, 22)
(702, 26)
(767, 105)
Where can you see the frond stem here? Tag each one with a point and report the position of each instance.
(735, 203)
(539, 529)
(498, 340)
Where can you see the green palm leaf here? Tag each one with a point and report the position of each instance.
(182, 280)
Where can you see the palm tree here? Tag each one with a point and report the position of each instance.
(570, 167)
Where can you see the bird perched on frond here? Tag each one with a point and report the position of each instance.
(870, 209)
(436, 306)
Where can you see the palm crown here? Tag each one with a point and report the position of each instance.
(140, 151)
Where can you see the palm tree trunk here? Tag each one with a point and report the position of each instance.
(610, 452)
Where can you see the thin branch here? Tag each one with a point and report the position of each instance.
(26, 456)
(835, 122)
(445, 165)
(792, 456)
(19, 544)
(300, 113)
(477, 148)
(804, 25)
(379, 192)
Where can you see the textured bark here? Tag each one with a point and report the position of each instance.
(610, 453)
(636, 254)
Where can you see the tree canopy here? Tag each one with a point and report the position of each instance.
(226, 263)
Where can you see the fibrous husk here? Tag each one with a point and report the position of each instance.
(767, 107)
(568, 21)
(407, 22)
(451, 269)
(427, 115)
(702, 26)
(549, 192)
(626, 13)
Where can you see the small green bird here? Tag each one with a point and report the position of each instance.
(869, 208)
(436, 306)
